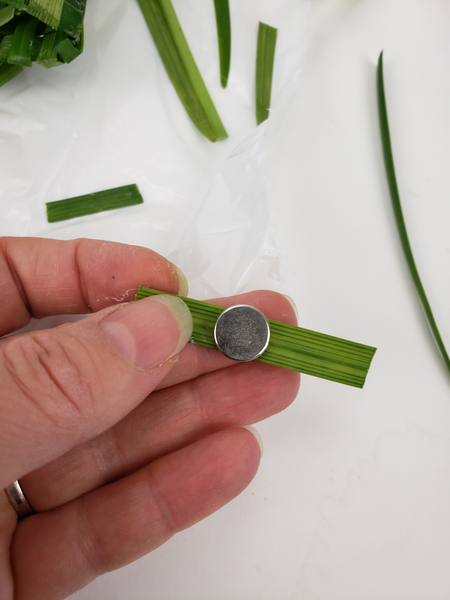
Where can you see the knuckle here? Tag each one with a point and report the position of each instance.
(47, 374)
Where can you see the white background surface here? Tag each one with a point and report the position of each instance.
(353, 494)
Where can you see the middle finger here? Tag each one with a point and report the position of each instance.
(167, 420)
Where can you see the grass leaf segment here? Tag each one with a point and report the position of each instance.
(223, 21)
(79, 206)
(289, 347)
(180, 65)
(265, 57)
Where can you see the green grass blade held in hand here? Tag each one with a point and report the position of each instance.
(396, 204)
(223, 21)
(79, 206)
(180, 65)
(290, 347)
(265, 57)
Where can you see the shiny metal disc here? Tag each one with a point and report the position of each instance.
(242, 332)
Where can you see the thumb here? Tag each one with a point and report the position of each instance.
(62, 386)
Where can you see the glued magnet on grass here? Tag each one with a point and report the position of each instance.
(242, 332)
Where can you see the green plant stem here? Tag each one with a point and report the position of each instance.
(396, 204)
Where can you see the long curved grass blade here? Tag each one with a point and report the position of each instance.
(7, 72)
(290, 347)
(223, 21)
(265, 57)
(395, 197)
(180, 65)
(79, 206)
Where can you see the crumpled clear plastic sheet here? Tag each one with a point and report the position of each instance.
(112, 118)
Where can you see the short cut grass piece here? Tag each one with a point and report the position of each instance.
(398, 212)
(223, 22)
(180, 65)
(265, 57)
(79, 206)
(290, 347)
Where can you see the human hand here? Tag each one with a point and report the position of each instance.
(120, 434)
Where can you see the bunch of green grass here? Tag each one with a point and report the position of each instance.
(290, 347)
(49, 32)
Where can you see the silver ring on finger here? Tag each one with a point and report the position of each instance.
(18, 500)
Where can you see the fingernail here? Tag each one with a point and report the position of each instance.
(150, 331)
(292, 303)
(183, 286)
(257, 436)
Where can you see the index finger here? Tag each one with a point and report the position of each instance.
(44, 277)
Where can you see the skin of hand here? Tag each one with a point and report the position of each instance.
(120, 433)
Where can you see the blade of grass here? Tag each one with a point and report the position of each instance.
(22, 42)
(19, 4)
(47, 11)
(48, 57)
(395, 197)
(6, 14)
(289, 347)
(89, 204)
(265, 57)
(223, 21)
(68, 49)
(5, 47)
(72, 18)
(180, 65)
(7, 72)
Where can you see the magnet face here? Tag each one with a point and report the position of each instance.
(242, 332)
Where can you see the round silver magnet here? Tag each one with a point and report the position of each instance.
(242, 332)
